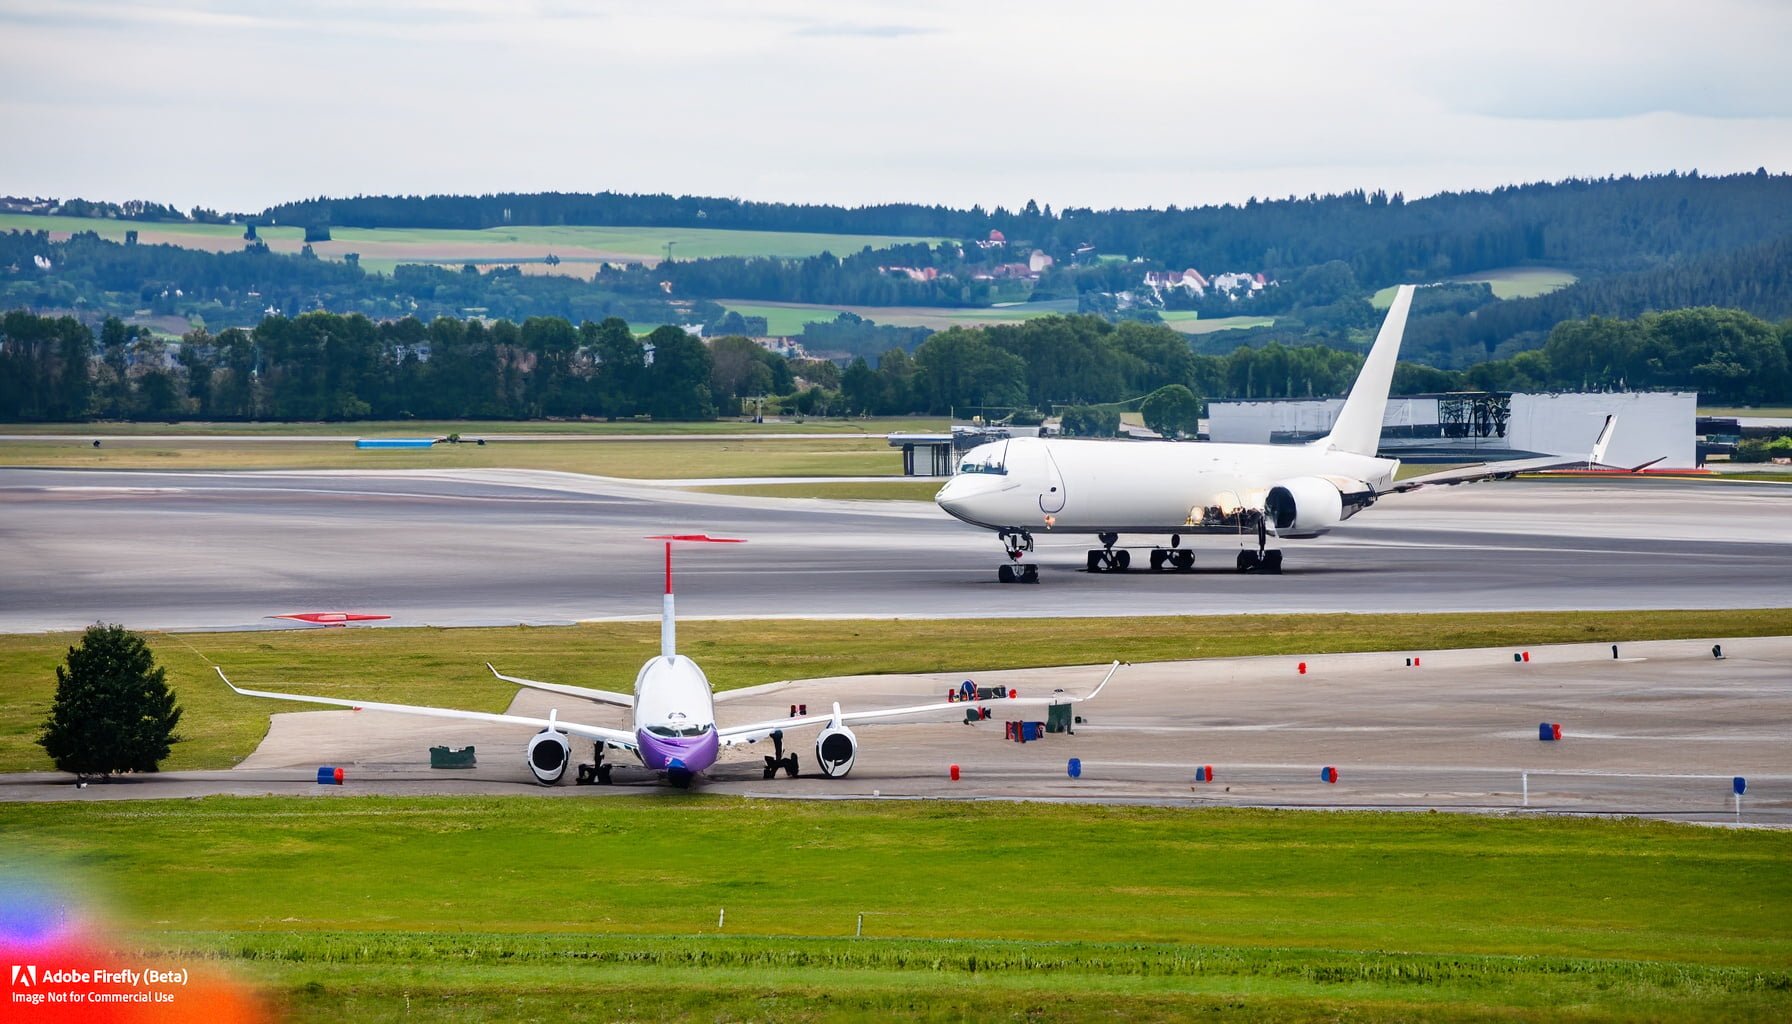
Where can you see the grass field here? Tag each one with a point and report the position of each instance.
(895, 490)
(384, 247)
(446, 666)
(654, 460)
(788, 318)
(1507, 282)
(1777, 412)
(1189, 322)
(372, 908)
(874, 425)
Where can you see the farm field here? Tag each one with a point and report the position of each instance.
(447, 666)
(1507, 282)
(788, 318)
(670, 459)
(370, 908)
(579, 247)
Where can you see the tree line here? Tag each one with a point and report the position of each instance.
(326, 366)
(1585, 224)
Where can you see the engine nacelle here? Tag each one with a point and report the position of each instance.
(835, 750)
(549, 753)
(1304, 506)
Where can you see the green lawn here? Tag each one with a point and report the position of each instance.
(1780, 412)
(365, 908)
(1507, 282)
(447, 666)
(877, 425)
(664, 460)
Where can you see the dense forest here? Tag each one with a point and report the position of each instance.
(1619, 223)
(327, 366)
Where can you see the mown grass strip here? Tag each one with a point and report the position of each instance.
(895, 490)
(346, 905)
(635, 459)
(447, 666)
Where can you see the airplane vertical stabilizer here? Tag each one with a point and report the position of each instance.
(1358, 427)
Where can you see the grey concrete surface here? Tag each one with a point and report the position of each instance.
(189, 550)
(1657, 732)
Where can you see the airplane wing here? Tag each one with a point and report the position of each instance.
(596, 733)
(621, 700)
(1505, 470)
(736, 734)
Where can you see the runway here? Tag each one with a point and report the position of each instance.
(189, 550)
(1659, 731)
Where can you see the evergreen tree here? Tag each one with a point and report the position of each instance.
(113, 710)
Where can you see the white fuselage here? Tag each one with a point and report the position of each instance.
(675, 715)
(1060, 485)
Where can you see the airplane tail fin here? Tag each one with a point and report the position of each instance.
(668, 620)
(1358, 427)
(1597, 457)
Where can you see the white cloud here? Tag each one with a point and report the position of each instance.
(1129, 103)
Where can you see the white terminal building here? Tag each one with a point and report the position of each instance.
(1486, 426)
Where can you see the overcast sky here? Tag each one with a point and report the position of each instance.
(236, 105)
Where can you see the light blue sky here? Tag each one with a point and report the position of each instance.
(237, 105)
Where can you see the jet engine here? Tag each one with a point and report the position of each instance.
(1304, 506)
(835, 750)
(549, 752)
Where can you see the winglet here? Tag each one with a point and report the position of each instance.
(1115, 667)
(226, 679)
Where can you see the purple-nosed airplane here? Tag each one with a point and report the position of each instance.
(675, 730)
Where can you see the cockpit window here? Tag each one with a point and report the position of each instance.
(991, 467)
(673, 731)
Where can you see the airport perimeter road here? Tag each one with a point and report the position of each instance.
(1659, 731)
(223, 550)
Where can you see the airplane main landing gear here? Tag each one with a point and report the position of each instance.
(597, 773)
(1107, 559)
(1017, 543)
(779, 759)
(1175, 557)
(1262, 559)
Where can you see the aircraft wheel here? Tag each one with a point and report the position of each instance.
(1247, 561)
(1098, 561)
(1158, 557)
(1005, 574)
(790, 767)
(1184, 559)
(1272, 561)
(1122, 560)
(1029, 574)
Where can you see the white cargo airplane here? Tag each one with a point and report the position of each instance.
(675, 730)
(1108, 488)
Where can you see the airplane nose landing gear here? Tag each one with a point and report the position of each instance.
(1017, 542)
